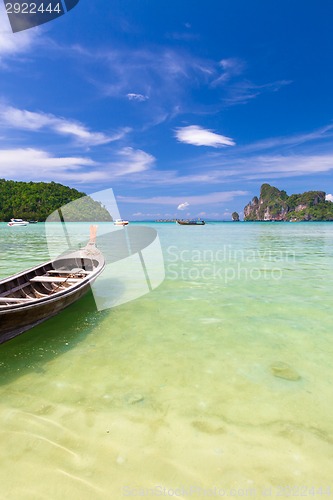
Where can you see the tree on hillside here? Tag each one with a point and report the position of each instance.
(37, 200)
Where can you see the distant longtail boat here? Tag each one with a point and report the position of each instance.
(191, 222)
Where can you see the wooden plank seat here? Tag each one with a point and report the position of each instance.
(54, 279)
(62, 271)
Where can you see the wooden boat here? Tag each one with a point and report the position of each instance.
(35, 295)
(191, 222)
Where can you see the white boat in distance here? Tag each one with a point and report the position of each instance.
(17, 222)
(120, 222)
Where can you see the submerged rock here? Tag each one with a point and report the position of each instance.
(133, 399)
(208, 428)
(285, 371)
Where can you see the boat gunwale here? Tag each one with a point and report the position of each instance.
(35, 302)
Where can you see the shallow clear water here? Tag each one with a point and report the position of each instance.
(220, 378)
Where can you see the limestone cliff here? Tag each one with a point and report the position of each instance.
(276, 205)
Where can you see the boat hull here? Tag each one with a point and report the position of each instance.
(17, 222)
(16, 322)
(120, 223)
(35, 295)
(191, 223)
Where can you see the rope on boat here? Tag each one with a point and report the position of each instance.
(75, 274)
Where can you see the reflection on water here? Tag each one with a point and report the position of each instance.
(53, 338)
(207, 382)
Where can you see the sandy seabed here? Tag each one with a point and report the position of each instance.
(200, 389)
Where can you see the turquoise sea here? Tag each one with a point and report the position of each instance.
(216, 384)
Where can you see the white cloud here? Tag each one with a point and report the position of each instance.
(183, 206)
(329, 197)
(130, 161)
(198, 136)
(29, 157)
(220, 167)
(141, 214)
(243, 90)
(167, 76)
(137, 97)
(36, 164)
(22, 119)
(231, 67)
(13, 44)
(9, 46)
(205, 199)
(293, 140)
(276, 166)
(160, 74)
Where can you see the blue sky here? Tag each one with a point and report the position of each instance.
(183, 107)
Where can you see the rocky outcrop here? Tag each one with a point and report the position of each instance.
(276, 205)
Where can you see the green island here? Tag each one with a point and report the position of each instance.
(38, 200)
(276, 205)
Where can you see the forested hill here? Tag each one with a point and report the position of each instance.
(276, 205)
(37, 200)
